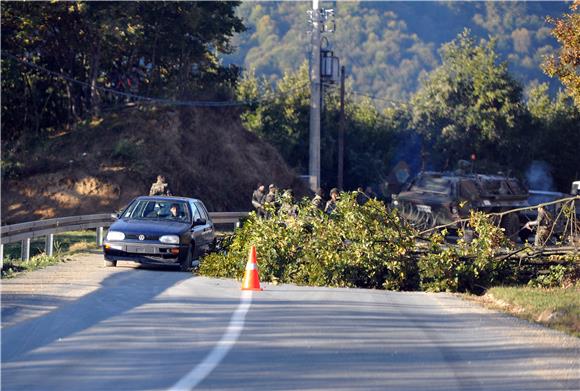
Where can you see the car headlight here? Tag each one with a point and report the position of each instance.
(170, 239)
(115, 235)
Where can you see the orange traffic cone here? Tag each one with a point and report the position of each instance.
(251, 281)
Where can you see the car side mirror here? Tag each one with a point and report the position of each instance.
(115, 216)
(199, 222)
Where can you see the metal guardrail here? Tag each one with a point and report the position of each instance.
(25, 232)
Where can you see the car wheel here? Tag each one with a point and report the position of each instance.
(185, 265)
(110, 263)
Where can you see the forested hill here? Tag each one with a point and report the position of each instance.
(386, 46)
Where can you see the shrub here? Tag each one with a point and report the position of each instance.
(363, 246)
(561, 275)
(471, 265)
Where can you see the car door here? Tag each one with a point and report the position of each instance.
(197, 229)
(208, 231)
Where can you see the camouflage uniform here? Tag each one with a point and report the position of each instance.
(288, 206)
(318, 202)
(544, 222)
(330, 206)
(159, 188)
(258, 198)
(270, 197)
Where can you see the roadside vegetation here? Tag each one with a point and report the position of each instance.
(371, 246)
(65, 245)
(556, 307)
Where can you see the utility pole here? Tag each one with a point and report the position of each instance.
(314, 155)
(341, 126)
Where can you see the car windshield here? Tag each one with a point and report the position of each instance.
(158, 210)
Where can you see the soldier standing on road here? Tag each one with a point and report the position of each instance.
(331, 204)
(543, 223)
(318, 201)
(160, 187)
(270, 198)
(258, 198)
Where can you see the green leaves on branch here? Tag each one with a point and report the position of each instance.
(469, 104)
(357, 246)
(471, 265)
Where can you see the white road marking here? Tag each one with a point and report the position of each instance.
(220, 351)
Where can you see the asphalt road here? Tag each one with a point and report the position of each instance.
(80, 326)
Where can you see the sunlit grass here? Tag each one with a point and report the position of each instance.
(557, 308)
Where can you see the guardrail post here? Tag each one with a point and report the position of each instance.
(25, 250)
(49, 244)
(1, 256)
(237, 225)
(99, 236)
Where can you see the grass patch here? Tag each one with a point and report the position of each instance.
(65, 244)
(558, 308)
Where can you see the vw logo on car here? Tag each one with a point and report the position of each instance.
(141, 237)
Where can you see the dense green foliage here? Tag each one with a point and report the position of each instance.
(159, 49)
(470, 104)
(567, 62)
(283, 120)
(371, 246)
(387, 46)
(356, 246)
(471, 265)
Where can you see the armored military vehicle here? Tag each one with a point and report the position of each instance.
(436, 198)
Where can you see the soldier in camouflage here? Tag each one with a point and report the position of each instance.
(543, 225)
(331, 204)
(318, 201)
(258, 198)
(160, 187)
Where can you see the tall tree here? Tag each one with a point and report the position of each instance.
(470, 104)
(566, 64)
(58, 55)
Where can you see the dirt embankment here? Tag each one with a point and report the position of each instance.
(100, 166)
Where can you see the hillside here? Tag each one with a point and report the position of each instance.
(101, 165)
(387, 46)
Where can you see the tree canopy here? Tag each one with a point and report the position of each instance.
(565, 65)
(58, 58)
(469, 104)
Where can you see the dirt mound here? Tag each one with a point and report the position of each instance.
(100, 166)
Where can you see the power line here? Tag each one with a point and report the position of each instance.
(374, 97)
(393, 102)
(146, 99)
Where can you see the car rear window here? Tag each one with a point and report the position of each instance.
(158, 210)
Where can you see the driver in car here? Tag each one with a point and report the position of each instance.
(175, 212)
